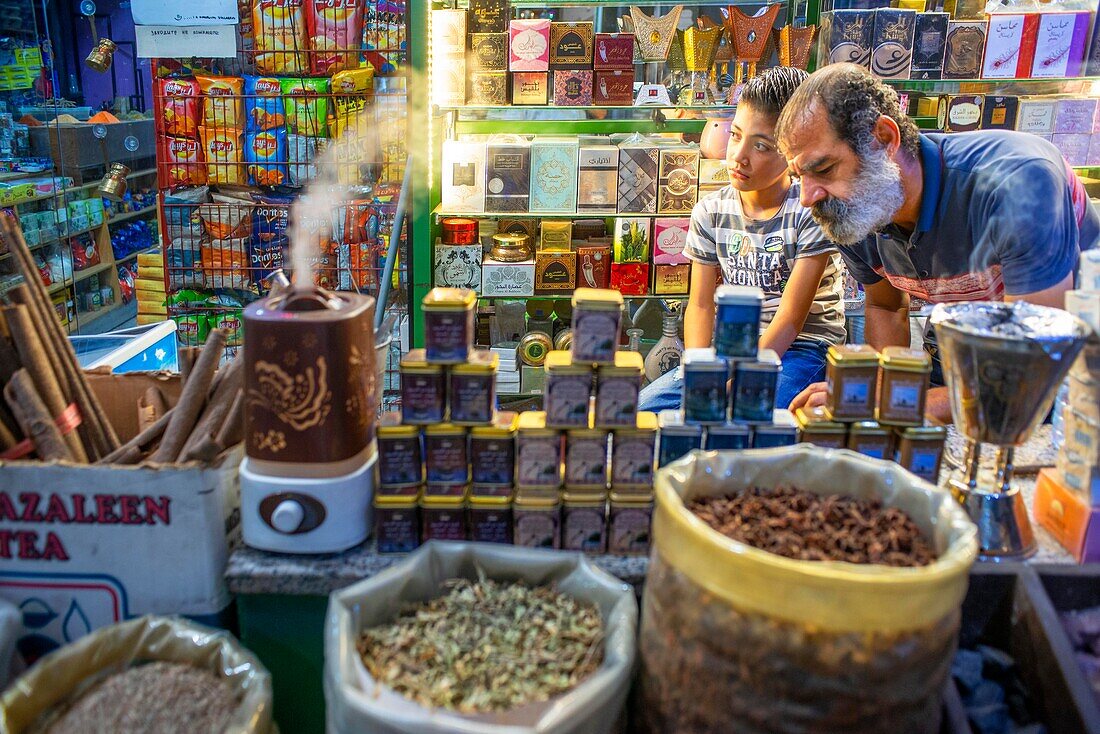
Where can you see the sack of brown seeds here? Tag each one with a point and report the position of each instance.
(159, 674)
(736, 638)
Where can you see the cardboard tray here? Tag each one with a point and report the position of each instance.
(1067, 588)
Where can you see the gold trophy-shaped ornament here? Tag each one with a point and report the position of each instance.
(794, 45)
(750, 35)
(654, 35)
(700, 47)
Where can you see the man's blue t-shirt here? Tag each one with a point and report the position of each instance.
(1001, 213)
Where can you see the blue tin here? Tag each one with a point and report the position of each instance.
(767, 437)
(706, 389)
(737, 321)
(675, 439)
(754, 386)
(729, 436)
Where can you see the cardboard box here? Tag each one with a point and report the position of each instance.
(671, 280)
(613, 88)
(449, 79)
(1073, 146)
(847, 35)
(678, 188)
(964, 49)
(463, 176)
(1061, 44)
(448, 32)
(572, 88)
(1084, 396)
(488, 88)
(489, 16)
(594, 266)
(530, 87)
(507, 177)
(630, 279)
(1093, 159)
(1010, 45)
(1082, 438)
(553, 175)
(631, 240)
(93, 545)
(1067, 516)
(597, 178)
(669, 238)
(637, 186)
(507, 279)
(713, 176)
(555, 273)
(962, 113)
(571, 45)
(488, 52)
(999, 113)
(529, 45)
(532, 380)
(892, 43)
(1079, 475)
(1036, 115)
(929, 43)
(1075, 115)
(1086, 368)
(614, 51)
(556, 235)
(526, 227)
(458, 266)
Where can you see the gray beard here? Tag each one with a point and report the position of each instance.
(876, 196)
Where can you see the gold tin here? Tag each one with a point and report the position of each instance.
(567, 391)
(586, 459)
(584, 522)
(564, 340)
(423, 389)
(538, 455)
(99, 58)
(113, 185)
(871, 439)
(654, 35)
(617, 388)
(443, 518)
(597, 321)
(493, 453)
(633, 451)
(903, 386)
(851, 377)
(534, 347)
(816, 427)
(490, 519)
(396, 523)
(920, 450)
(511, 247)
(556, 235)
(448, 324)
(471, 394)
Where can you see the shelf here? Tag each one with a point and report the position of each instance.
(94, 270)
(439, 213)
(133, 255)
(924, 83)
(86, 318)
(569, 296)
(536, 4)
(572, 108)
(56, 287)
(132, 215)
(578, 127)
(131, 174)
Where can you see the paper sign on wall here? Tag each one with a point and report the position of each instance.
(212, 41)
(191, 13)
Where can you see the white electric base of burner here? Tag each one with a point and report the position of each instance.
(292, 515)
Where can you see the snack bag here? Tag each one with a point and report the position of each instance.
(222, 149)
(360, 222)
(225, 263)
(85, 252)
(353, 155)
(191, 329)
(334, 30)
(232, 323)
(125, 284)
(179, 106)
(263, 103)
(301, 151)
(226, 217)
(279, 28)
(182, 161)
(353, 81)
(306, 106)
(221, 104)
(351, 117)
(270, 219)
(265, 152)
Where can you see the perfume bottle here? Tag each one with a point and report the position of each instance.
(666, 353)
(634, 340)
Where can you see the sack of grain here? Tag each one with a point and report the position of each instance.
(739, 639)
(149, 674)
(356, 702)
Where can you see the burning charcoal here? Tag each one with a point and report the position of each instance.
(996, 663)
(967, 669)
(991, 719)
(985, 693)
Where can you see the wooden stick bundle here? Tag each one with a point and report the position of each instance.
(35, 418)
(192, 399)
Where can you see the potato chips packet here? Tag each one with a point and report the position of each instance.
(222, 149)
(306, 106)
(179, 106)
(335, 28)
(263, 103)
(265, 152)
(182, 160)
(279, 30)
(221, 103)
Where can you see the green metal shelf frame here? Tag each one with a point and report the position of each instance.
(576, 127)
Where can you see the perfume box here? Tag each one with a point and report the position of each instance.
(488, 88)
(448, 32)
(1010, 45)
(525, 227)
(961, 113)
(587, 229)
(671, 280)
(593, 266)
(669, 238)
(713, 176)
(630, 279)
(489, 16)
(631, 240)
(555, 235)
(847, 36)
(963, 54)
(999, 113)
(555, 273)
(458, 266)
(507, 177)
(1036, 115)
(597, 178)
(613, 88)
(929, 42)
(529, 45)
(571, 45)
(1060, 47)
(554, 175)
(572, 88)
(613, 51)
(637, 189)
(449, 80)
(1093, 158)
(892, 43)
(488, 52)
(1074, 115)
(514, 280)
(530, 87)
(678, 188)
(463, 176)
(1074, 147)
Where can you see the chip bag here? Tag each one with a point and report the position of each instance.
(301, 152)
(191, 329)
(179, 106)
(226, 217)
(270, 219)
(265, 152)
(306, 106)
(335, 27)
(182, 161)
(225, 263)
(221, 104)
(351, 117)
(263, 103)
(279, 28)
(353, 81)
(232, 323)
(222, 149)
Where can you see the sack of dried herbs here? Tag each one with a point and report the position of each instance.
(798, 590)
(479, 638)
(149, 674)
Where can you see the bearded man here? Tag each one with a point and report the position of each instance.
(982, 216)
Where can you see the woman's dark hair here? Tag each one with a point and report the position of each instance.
(853, 100)
(769, 92)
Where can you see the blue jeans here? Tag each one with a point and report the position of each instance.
(803, 364)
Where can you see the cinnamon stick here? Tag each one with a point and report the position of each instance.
(187, 357)
(205, 451)
(217, 408)
(128, 456)
(191, 400)
(151, 406)
(35, 418)
(232, 431)
(33, 356)
(147, 436)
